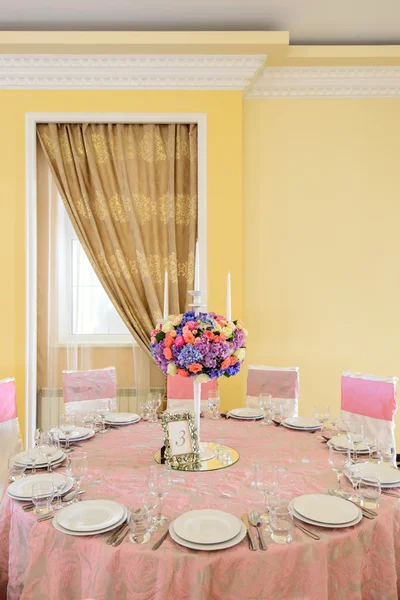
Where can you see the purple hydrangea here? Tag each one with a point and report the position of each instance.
(189, 355)
(233, 369)
(215, 373)
(238, 340)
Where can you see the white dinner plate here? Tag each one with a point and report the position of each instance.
(301, 428)
(207, 526)
(208, 547)
(78, 434)
(246, 418)
(341, 442)
(246, 413)
(90, 515)
(22, 488)
(302, 423)
(322, 508)
(361, 452)
(59, 527)
(324, 525)
(387, 475)
(122, 417)
(57, 456)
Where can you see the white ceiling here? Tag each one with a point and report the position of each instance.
(308, 21)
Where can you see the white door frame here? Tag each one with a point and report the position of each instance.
(31, 120)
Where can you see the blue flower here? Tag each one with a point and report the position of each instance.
(188, 356)
(233, 369)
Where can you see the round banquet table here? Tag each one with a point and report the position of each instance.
(361, 562)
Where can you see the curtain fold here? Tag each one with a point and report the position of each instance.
(131, 194)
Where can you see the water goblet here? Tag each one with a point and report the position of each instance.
(372, 445)
(140, 524)
(77, 468)
(213, 403)
(31, 457)
(281, 525)
(355, 435)
(153, 403)
(271, 500)
(67, 424)
(102, 410)
(150, 503)
(42, 497)
(17, 467)
(49, 447)
(144, 410)
(370, 492)
(59, 485)
(354, 475)
(339, 461)
(322, 414)
(159, 482)
(267, 406)
(267, 483)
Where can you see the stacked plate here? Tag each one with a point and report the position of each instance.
(207, 530)
(22, 488)
(325, 511)
(79, 434)
(388, 476)
(340, 442)
(56, 459)
(90, 517)
(122, 418)
(246, 413)
(301, 424)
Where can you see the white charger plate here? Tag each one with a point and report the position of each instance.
(208, 547)
(207, 526)
(340, 449)
(301, 428)
(302, 423)
(57, 456)
(329, 510)
(324, 525)
(246, 413)
(388, 476)
(342, 443)
(22, 488)
(90, 515)
(120, 418)
(57, 526)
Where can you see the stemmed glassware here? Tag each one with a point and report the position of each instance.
(354, 476)
(268, 408)
(322, 414)
(49, 446)
(102, 410)
(355, 435)
(214, 400)
(42, 497)
(77, 468)
(153, 403)
(67, 425)
(16, 468)
(339, 461)
(267, 482)
(59, 485)
(150, 503)
(159, 481)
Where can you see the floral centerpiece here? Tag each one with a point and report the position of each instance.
(204, 346)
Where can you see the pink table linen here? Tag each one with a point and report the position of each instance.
(361, 562)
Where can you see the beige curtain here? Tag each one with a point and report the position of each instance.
(131, 194)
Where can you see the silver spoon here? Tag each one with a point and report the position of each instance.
(255, 521)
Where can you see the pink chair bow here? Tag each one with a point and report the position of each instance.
(281, 382)
(371, 402)
(180, 393)
(10, 435)
(82, 389)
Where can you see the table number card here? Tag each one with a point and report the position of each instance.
(181, 440)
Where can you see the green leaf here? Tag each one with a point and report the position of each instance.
(160, 336)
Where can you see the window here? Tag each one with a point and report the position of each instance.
(85, 313)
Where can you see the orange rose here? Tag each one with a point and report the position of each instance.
(167, 353)
(182, 373)
(189, 338)
(217, 339)
(225, 364)
(233, 360)
(222, 337)
(169, 340)
(195, 368)
(209, 334)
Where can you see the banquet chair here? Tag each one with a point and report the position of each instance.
(281, 382)
(180, 393)
(10, 436)
(370, 401)
(82, 389)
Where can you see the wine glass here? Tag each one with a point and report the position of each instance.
(42, 497)
(214, 400)
(17, 467)
(354, 476)
(150, 503)
(372, 445)
(355, 435)
(322, 414)
(267, 481)
(339, 460)
(267, 406)
(67, 424)
(59, 484)
(153, 402)
(103, 409)
(49, 446)
(77, 469)
(159, 482)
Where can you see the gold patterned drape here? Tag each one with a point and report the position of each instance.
(131, 194)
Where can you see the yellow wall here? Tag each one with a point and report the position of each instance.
(224, 111)
(321, 239)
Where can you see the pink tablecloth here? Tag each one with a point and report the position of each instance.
(38, 563)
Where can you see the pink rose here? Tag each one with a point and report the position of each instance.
(179, 341)
(192, 325)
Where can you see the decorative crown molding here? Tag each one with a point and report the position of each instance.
(129, 72)
(325, 82)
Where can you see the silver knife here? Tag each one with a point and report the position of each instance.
(252, 543)
(160, 540)
(121, 536)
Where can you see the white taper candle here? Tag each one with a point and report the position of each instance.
(166, 296)
(228, 299)
(197, 269)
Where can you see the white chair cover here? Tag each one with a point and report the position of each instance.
(180, 393)
(10, 435)
(282, 383)
(371, 402)
(82, 389)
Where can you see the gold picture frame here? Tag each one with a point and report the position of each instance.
(181, 441)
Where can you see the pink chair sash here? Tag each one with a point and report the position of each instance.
(181, 388)
(89, 385)
(279, 383)
(8, 400)
(369, 397)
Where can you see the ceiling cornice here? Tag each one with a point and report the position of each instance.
(129, 72)
(326, 82)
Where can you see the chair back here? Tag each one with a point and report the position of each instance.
(282, 383)
(82, 389)
(371, 402)
(180, 393)
(10, 435)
